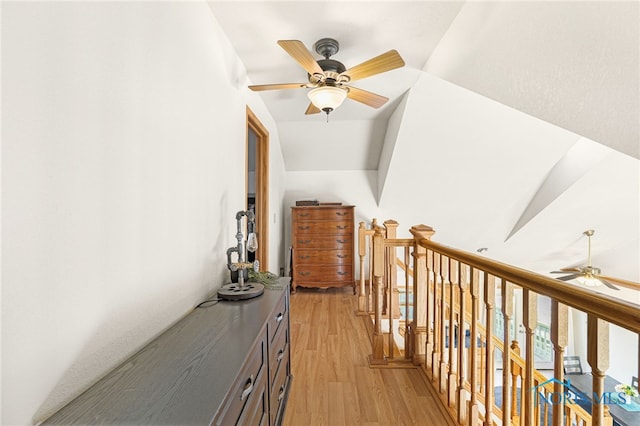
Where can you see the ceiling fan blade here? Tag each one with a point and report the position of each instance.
(312, 109)
(624, 283)
(381, 63)
(367, 98)
(565, 270)
(261, 87)
(569, 277)
(607, 283)
(301, 54)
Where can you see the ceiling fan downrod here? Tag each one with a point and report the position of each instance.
(589, 233)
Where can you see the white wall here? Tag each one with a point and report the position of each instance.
(123, 145)
(390, 138)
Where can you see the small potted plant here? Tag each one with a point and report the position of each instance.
(630, 392)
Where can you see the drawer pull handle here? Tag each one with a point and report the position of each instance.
(280, 355)
(304, 214)
(248, 388)
(341, 213)
(305, 273)
(279, 317)
(306, 256)
(341, 256)
(342, 273)
(303, 228)
(342, 241)
(341, 226)
(281, 393)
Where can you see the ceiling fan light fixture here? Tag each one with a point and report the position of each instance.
(327, 98)
(589, 281)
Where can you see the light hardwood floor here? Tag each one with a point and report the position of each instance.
(332, 382)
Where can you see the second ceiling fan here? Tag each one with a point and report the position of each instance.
(329, 79)
(591, 276)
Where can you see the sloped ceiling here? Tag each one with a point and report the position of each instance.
(572, 64)
(364, 30)
(493, 97)
(481, 163)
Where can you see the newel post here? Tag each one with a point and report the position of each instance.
(362, 252)
(377, 357)
(420, 330)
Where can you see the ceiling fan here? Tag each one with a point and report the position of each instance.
(590, 275)
(329, 79)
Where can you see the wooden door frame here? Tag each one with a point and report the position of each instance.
(262, 185)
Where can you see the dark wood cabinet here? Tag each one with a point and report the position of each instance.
(323, 246)
(226, 364)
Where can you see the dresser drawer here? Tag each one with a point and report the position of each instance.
(256, 411)
(278, 351)
(338, 242)
(308, 273)
(318, 227)
(279, 391)
(327, 256)
(277, 320)
(245, 388)
(332, 213)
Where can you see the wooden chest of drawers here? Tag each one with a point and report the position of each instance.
(323, 246)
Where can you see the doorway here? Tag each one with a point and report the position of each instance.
(257, 187)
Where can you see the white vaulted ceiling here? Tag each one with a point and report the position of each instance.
(572, 64)
(364, 30)
(494, 99)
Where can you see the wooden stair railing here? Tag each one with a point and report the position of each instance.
(454, 299)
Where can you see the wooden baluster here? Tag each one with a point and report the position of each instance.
(516, 372)
(362, 252)
(408, 341)
(420, 288)
(454, 333)
(377, 357)
(444, 275)
(560, 339)
(431, 297)
(507, 314)
(472, 409)
(530, 302)
(462, 337)
(391, 267)
(598, 358)
(489, 301)
(438, 306)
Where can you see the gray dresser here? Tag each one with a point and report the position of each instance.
(226, 364)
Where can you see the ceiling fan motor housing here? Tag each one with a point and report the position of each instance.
(326, 47)
(332, 70)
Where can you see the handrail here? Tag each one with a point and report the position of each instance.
(615, 311)
(459, 310)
